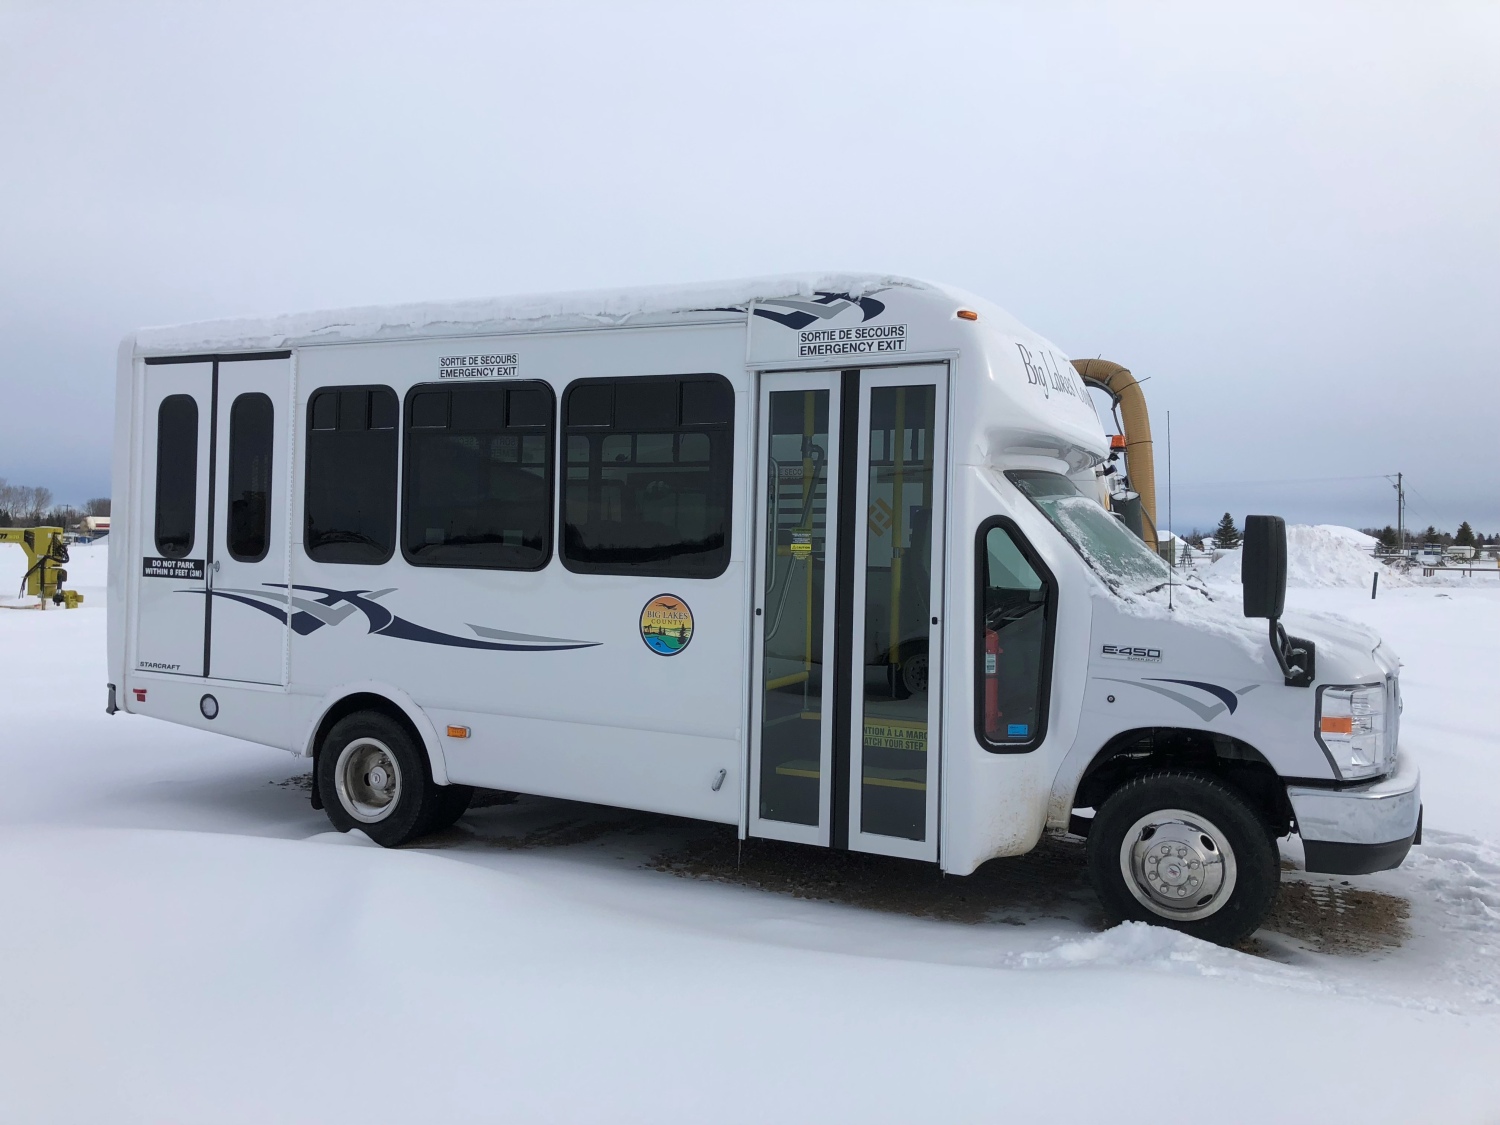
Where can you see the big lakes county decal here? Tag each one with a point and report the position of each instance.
(666, 625)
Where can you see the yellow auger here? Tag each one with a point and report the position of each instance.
(45, 553)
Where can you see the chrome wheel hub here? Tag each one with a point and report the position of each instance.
(368, 780)
(1178, 865)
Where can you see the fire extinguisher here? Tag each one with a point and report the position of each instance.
(991, 683)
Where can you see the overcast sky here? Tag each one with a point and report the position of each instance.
(1288, 219)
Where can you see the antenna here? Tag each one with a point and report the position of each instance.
(1171, 543)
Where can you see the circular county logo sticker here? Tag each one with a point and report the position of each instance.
(666, 625)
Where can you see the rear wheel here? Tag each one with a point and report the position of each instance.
(374, 777)
(1186, 851)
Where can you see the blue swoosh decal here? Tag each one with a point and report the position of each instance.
(382, 622)
(1231, 700)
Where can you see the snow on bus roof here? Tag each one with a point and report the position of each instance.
(584, 309)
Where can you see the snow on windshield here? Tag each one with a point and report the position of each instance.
(1118, 556)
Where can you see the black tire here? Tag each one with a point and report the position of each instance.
(914, 673)
(450, 803)
(1220, 837)
(909, 677)
(391, 814)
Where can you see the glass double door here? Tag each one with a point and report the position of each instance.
(844, 738)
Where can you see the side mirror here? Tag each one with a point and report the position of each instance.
(1263, 580)
(1263, 566)
(1127, 505)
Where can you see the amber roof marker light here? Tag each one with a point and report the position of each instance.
(967, 314)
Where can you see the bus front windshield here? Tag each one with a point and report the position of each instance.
(1125, 563)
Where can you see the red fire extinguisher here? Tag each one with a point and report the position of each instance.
(992, 683)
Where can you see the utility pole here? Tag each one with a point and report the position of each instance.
(1400, 514)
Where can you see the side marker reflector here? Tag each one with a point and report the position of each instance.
(1335, 724)
(458, 732)
(967, 314)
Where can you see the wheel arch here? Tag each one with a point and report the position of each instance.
(385, 699)
(1141, 750)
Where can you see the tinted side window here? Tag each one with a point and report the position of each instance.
(176, 475)
(351, 475)
(648, 464)
(251, 439)
(478, 487)
(1015, 641)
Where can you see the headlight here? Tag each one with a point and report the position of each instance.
(1352, 728)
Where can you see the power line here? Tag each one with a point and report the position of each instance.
(1430, 508)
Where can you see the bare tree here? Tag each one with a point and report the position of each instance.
(41, 500)
(97, 506)
(21, 506)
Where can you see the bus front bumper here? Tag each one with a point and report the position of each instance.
(1364, 828)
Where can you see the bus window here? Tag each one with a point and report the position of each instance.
(648, 476)
(251, 438)
(478, 487)
(176, 475)
(350, 495)
(1014, 643)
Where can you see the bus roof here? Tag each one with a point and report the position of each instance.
(600, 308)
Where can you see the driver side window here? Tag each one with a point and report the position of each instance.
(1014, 649)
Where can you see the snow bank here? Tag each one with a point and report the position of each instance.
(1358, 538)
(1136, 945)
(1317, 558)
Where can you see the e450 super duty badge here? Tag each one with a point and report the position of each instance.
(1131, 652)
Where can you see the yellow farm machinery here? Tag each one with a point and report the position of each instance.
(46, 552)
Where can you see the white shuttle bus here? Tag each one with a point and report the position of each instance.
(824, 558)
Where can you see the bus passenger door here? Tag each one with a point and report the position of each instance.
(249, 597)
(172, 532)
(897, 593)
(849, 538)
(797, 548)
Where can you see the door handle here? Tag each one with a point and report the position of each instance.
(216, 566)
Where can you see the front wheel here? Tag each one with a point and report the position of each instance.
(1183, 850)
(909, 677)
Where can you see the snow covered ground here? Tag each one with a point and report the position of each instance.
(184, 940)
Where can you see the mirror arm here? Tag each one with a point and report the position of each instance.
(1296, 657)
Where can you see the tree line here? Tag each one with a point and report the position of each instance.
(26, 505)
(1465, 536)
(1227, 536)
